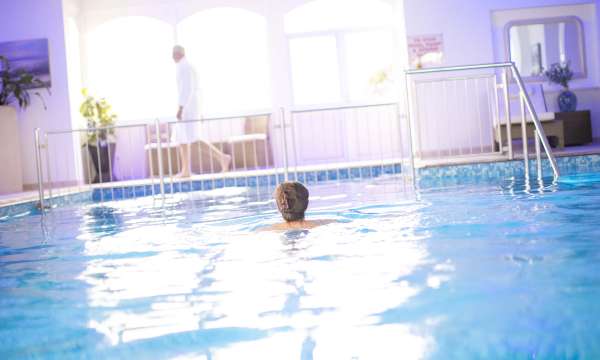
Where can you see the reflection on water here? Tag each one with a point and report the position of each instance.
(457, 272)
(170, 279)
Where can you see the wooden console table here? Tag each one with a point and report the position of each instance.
(577, 127)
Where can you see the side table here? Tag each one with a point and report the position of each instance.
(577, 127)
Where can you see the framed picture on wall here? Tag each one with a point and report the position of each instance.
(31, 55)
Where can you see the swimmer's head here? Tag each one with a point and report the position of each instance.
(292, 200)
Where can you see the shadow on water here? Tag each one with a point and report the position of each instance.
(104, 220)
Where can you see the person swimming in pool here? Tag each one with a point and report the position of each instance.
(292, 200)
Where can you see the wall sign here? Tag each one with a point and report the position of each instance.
(425, 50)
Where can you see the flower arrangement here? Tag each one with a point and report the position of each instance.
(559, 73)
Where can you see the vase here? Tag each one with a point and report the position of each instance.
(11, 176)
(567, 101)
(103, 158)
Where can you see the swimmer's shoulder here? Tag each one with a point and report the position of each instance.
(303, 225)
(311, 224)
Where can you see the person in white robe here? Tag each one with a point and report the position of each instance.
(188, 114)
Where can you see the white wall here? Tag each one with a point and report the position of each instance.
(467, 26)
(31, 19)
(588, 88)
(585, 12)
(470, 36)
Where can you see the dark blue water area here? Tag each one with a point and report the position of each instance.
(496, 269)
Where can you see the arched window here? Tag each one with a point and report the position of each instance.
(228, 47)
(129, 63)
(338, 48)
(325, 15)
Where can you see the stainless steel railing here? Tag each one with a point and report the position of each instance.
(355, 135)
(365, 132)
(147, 152)
(527, 109)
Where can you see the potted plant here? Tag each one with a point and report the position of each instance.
(15, 94)
(561, 74)
(381, 83)
(100, 138)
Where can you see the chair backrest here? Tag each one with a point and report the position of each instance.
(164, 134)
(257, 124)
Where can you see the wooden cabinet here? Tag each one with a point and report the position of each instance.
(577, 126)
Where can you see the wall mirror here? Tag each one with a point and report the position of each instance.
(534, 45)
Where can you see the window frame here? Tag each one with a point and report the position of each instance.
(343, 78)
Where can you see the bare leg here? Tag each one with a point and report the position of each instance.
(224, 159)
(184, 158)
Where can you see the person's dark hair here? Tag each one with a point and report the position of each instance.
(292, 200)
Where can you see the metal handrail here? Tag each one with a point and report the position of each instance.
(151, 123)
(458, 68)
(526, 105)
(342, 107)
(229, 117)
(538, 125)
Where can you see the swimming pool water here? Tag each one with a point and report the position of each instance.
(494, 270)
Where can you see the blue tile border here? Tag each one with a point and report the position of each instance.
(31, 207)
(427, 176)
(568, 165)
(308, 177)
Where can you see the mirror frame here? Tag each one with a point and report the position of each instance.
(583, 63)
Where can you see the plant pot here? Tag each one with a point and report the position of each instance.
(99, 153)
(11, 178)
(567, 101)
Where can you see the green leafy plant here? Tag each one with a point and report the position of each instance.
(382, 81)
(15, 85)
(98, 114)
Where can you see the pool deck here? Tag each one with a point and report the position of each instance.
(588, 149)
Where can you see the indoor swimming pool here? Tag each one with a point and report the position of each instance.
(494, 269)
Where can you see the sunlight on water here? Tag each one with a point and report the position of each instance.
(455, 271)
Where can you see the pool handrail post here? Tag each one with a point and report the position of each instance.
(538, 154)
(507, 114)
(150, 161)
(294, 150)
(536, 121)
(160, 159)
(284, 140)
(38, 168)
(413, 171)
(524, 134)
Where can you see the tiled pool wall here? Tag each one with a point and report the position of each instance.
(568, 165)
(306, 177)
(31, 207)
(431, 176)
(135, 191)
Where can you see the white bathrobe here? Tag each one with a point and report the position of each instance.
(187, 97)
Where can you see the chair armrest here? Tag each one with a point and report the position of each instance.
(246, 138)
(153, 146)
